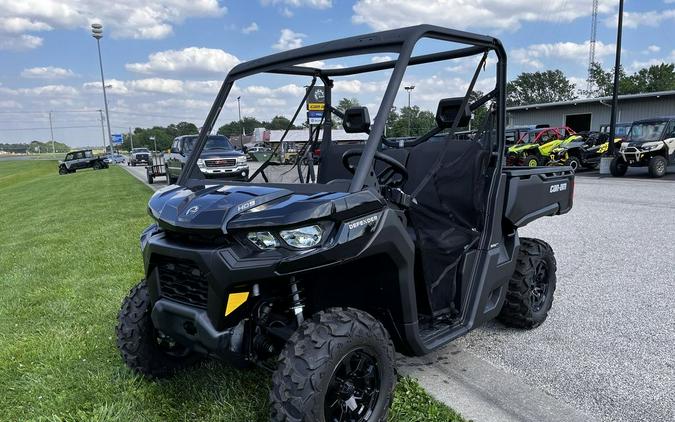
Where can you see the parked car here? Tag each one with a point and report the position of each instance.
(114, 158)
(218, 159)
(82, 159)
(650, 143)
(621, 130)
(139, 156)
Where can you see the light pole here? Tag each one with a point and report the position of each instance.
(409, 89)
(51, 131)
(617, 71)
(97, 32)
(100, 112)
(153, 139)
(241, 139)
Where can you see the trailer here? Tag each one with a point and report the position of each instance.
(156, 167)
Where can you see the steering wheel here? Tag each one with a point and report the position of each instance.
(386, 177)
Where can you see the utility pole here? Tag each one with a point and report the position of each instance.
(102, 129)
(131, 138)
(591, 47)
(615, 95)
(153, 139)
(409, 89)
(97, 32)
(51, 131)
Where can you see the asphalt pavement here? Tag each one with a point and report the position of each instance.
(606, 351)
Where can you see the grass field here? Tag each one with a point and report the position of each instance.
(68, 255)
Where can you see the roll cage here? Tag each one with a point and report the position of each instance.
(401, 41)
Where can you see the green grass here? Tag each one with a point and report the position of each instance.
(68, 255)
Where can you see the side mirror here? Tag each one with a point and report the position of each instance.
(356, 120)
(448, 108)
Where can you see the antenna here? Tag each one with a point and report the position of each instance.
(591, 49)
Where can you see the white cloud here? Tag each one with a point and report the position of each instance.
(380, 59)
(315, 4)
(289, 40)
(188, 61)
(252, 27)
(19, 42)
(534, 55)
(123, 18)
(45, 90)
(653, 48)
(47, 72)
(462, 14)
(139, 86)
(651, 18)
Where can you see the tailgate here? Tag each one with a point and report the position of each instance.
(536, 192)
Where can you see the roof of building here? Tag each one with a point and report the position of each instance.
(302, 135)
(593, 100)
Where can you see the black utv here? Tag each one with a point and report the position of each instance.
(395, 247)
(80, 160)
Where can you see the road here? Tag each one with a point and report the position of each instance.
(606, 351)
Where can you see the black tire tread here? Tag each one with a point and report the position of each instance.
(516, 311)
(136, 338)
(304, 361)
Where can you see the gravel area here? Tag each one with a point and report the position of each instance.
(607, 347)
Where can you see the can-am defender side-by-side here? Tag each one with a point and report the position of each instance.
(650, 143)
(395, 247)
(583, 151)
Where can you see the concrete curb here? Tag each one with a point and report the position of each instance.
(482, 392)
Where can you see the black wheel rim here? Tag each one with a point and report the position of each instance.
(660, 167)
(539, 286)
(354, 387)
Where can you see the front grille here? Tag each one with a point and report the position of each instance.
(181, 280)
(142, 157)
(195, 238)
(221, 162)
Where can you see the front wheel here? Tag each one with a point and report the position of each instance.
(63, 170)
(338, 365)
(618, 167)
(531, 161)
(530, 291)
(657, 166)
(144, 349)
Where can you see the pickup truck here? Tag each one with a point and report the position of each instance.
(219, 159)
(138, 156)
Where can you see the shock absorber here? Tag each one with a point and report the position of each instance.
(296, 302)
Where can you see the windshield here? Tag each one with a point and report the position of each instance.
(212, 143)
(646, 131)
(141, 150)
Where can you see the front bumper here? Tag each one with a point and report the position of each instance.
(237, 171)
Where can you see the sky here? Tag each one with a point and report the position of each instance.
(166, 59)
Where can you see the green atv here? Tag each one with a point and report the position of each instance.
(535, 148)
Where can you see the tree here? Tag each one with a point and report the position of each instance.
(659, 77)
(182, 128)
(346, 103)
(539, 87)
(278, 123)
(421, 121)
(234, 127)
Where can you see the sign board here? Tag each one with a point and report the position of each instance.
(117, 138)
(316, 99)
(314, 117)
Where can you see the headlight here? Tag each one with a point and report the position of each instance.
(241, 160)
(302, 237)
(201, 164)
(263, 240)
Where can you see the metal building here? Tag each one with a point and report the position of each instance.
(591, 113)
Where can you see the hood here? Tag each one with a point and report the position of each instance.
(219, 207)
(220, 153)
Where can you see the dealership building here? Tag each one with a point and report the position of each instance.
(591, 113)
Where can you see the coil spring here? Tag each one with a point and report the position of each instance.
(297, 304)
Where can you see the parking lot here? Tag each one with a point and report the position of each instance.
(606, 349)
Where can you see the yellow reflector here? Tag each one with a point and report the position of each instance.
(234, 300)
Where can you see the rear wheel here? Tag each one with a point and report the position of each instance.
(574, 162)
(618, 167)
(97, 165)
(531, 161)
(143, 348)
(170, 180)
(63, 170)
(657, 166)
(337, 366)
(530, 291)
(150, 178)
